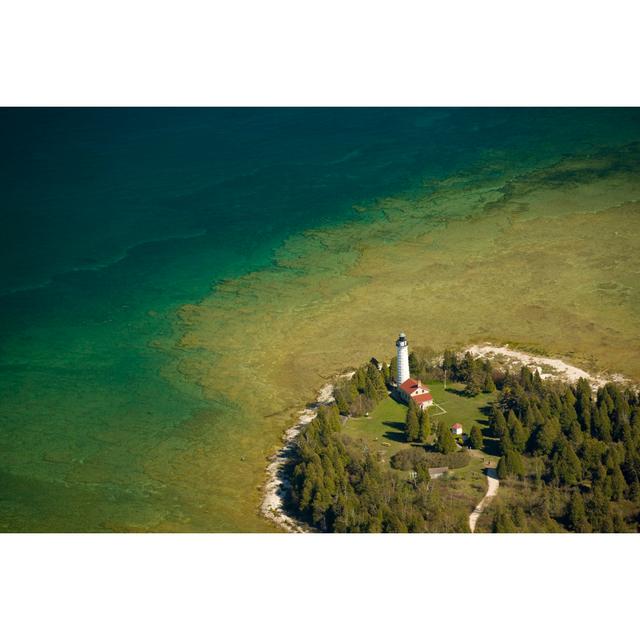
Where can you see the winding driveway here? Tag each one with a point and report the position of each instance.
(492, 489)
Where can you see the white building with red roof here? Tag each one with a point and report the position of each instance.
(456, 429)
(414, 390)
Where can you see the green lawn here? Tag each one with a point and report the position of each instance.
(467, 411)
(383, 428)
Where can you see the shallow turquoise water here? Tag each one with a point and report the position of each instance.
(113, 219)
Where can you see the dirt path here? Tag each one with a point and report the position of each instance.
(492, 489)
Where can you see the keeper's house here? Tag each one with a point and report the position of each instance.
(414, 390)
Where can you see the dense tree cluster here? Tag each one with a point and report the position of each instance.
(477, 374)
(445, 442)
(587, 447)
(362, 392)
(417, 424)
(338, 485)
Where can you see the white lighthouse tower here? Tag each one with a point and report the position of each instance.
(403, 359)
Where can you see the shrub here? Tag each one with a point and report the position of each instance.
(455, 460)
(409, 458)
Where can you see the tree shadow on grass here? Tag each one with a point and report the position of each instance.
(457, 392)
(394, 425)
(487, 411)
(395, 436)
(491, 446)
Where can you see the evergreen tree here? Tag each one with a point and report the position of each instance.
(514, 464)
(425, 427)
(568, 416)
(576, 514)
(517, 433)
(473, 386)
(471, 374)
(565, 465)
(503, 522)
(499, 423)
(386, 373)
(446, 442)
(583, 404)
(376, 382)
(528, 418)
(575, 434)
(546, 435)
(476, 440)
(618, 484)
(600, 423)
(537, 418)
(450, 364)
(370, 390)
(505, 444)
(605, 400)
(422, 472)
(489, 385)
(501, 469)
(412, 424)
(599, 513)
(519, 518)
(393, 369)
(341, 402)
(414, 365)
(537, 382)
(621, 413)
(526, 378)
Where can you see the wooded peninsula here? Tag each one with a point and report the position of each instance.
(567, 456)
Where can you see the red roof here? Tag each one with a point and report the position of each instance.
(423, 397)
(410, 385)
(456, 425)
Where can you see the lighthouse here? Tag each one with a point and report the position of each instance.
(403, 359)
(410, 390)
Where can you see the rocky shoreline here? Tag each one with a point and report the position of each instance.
(277, 484)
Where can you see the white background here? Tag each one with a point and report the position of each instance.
(319, 52)
(278, 52)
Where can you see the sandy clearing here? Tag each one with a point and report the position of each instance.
(561, 370)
